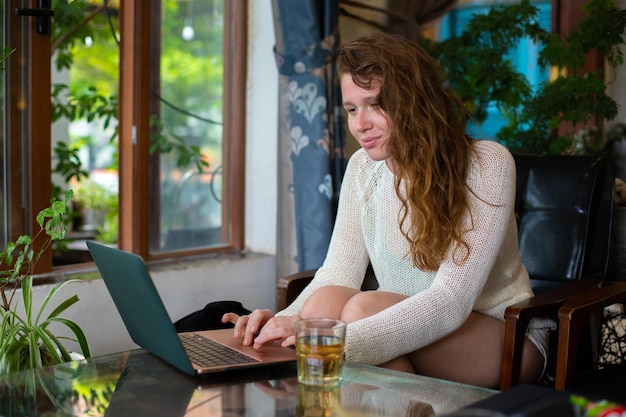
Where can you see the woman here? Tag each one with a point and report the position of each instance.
(433, 211)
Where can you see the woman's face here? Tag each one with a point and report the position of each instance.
(367, 122)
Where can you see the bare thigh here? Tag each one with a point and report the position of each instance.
(473, 354)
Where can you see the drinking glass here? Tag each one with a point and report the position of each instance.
(319, 350)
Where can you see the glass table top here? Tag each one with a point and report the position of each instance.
(138, 384)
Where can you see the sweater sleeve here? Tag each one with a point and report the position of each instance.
(346, 259)
(438, 310)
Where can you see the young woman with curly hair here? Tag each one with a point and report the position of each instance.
(432, 210)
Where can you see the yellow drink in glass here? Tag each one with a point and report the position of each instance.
(320, 351)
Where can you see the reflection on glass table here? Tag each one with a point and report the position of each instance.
(372, 391)
(138, 384)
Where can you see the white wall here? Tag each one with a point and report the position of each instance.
(262, 131)
(251, 279)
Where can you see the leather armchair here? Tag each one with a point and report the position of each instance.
(564, 208)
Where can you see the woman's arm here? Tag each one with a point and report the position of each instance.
(346, 259)
(445, 305)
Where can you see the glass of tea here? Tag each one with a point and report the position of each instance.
(320, 350)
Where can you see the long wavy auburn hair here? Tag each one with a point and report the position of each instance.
(428, 145)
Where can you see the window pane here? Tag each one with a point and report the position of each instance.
(190, 125)
(85, 82)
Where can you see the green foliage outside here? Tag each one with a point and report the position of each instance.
(85, 42)
(476, 66)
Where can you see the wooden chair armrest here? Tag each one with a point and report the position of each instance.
(517, 317)
(544, 303)
(593, 300)
(290, 286)
(573, 316)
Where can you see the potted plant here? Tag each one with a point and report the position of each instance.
(93, 200)
(26, 341)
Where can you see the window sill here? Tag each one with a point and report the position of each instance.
(87, 271)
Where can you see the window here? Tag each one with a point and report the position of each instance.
(181, 85)
(187, 101)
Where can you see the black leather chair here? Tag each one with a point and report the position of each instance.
(564, 208)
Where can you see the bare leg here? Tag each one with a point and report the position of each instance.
(401, 363)
(327, 302)
(368, 303)
(473, 354)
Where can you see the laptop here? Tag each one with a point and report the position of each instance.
(149, 325)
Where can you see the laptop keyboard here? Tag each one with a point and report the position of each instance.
(205, 352)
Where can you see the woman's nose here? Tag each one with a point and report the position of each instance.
(362, 122)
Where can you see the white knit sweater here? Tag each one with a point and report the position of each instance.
(367, 230)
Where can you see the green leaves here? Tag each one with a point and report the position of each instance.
(84, 104)
(475, 62)
(4, 55)
(27, 342)
(166, 143)
(602, 29)
(476, 65)
(68, 163)
(51, 218)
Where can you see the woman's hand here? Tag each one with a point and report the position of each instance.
(249, 325)
(260, 327)
(279, 328)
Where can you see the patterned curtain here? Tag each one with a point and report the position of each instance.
(312, 156)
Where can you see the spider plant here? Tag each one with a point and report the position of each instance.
(26, 341)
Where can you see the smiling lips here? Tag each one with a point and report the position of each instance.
(369, 143)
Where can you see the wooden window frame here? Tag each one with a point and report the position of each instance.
(28, 137)
(135, 101)
(28, 128)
